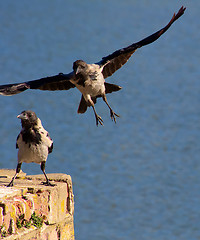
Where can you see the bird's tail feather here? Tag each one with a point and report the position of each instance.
(82, 105)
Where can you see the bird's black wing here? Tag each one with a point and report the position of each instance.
(17, 146)
(117, 59)
(57, 82)
(50, 149)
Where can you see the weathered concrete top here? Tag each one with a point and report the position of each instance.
(30, 196)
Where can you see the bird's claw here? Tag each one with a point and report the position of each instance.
(112, 115)
(10, 184)
(99, 120)
(47, 183)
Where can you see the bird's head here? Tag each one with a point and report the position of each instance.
(28, 118)
(79, 66)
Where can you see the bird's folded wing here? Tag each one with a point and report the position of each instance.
(117, 59)
(19, 140)
(45, 138)
(57, 82)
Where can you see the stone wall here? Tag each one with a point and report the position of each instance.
(31, 210)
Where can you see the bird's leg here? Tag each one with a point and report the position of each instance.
(17, 171)
(112, 113)
(47, 183)
(90, 103)
(98, 118)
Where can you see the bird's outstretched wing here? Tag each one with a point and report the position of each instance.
(117, 59)
(111, 64)
(57, 82)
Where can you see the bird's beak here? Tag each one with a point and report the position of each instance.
(77, 70)
(21, 116)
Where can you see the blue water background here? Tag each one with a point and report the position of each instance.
(137, 179)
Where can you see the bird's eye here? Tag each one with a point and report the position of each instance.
(81, 66)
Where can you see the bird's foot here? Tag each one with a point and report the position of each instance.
(10, 184)
(47, 183)
(113, 114)
(99, 120)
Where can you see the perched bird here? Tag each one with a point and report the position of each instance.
(90, 78)
(33, 142)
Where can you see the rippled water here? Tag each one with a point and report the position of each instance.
(138, 179)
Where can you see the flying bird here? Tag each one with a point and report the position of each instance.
(90, 78)
(33, 142)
